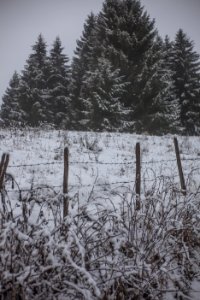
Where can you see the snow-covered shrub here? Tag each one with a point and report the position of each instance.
(101, 250)
(90, 143)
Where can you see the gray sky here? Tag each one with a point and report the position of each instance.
(21, 21)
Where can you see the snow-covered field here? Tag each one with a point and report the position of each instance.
(153, 247)
(98, 160)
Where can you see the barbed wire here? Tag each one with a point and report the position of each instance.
(103, 184)
(33, 189)
(103, 163)
(145, 178)
(169, 160)
(73, 163)
(34, 165)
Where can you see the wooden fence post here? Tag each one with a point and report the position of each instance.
(180, 170)
(65, 182)
(138, 176)
(3, 168)
(2, 164)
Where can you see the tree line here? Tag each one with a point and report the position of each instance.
(123, 77)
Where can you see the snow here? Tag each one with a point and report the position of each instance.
(101, 192)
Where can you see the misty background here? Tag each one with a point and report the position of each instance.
(21, 21)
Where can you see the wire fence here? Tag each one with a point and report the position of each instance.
(103, 163)
(95, 184)
(133, 163)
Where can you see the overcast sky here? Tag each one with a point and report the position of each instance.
(21, 21)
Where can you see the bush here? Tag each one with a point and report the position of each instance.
(101, 250)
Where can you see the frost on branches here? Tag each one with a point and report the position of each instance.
(101, 250)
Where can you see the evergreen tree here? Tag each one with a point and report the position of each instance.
(58, 107)
(186, 76)
(153, 110)
(168, 49)
(10, 109)
(80, 66)
(33, 88)
(125, 34)
(126, 37)
(102, 89)
(172, 101)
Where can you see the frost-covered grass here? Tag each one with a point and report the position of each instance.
(105, 248)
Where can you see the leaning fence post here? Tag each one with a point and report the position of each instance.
(65, 182)
(2, 164)
(138, 176)
(3, 168)
(180, 170)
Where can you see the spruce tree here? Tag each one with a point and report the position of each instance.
(80, 66)
(125, 34)
(172, 101)
(58, 106)
(168, 49)
(11, 114)
(101, 91)
(33, 87)
(151, 112)
(126, 37)
(186, 75)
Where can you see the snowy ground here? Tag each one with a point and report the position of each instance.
(101, 166)
(99, 160)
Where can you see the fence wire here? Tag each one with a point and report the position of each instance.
(96, 162)
(102, 163)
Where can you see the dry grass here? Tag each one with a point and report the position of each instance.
(101, 250)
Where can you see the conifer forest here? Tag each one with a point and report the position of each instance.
(123, 77)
